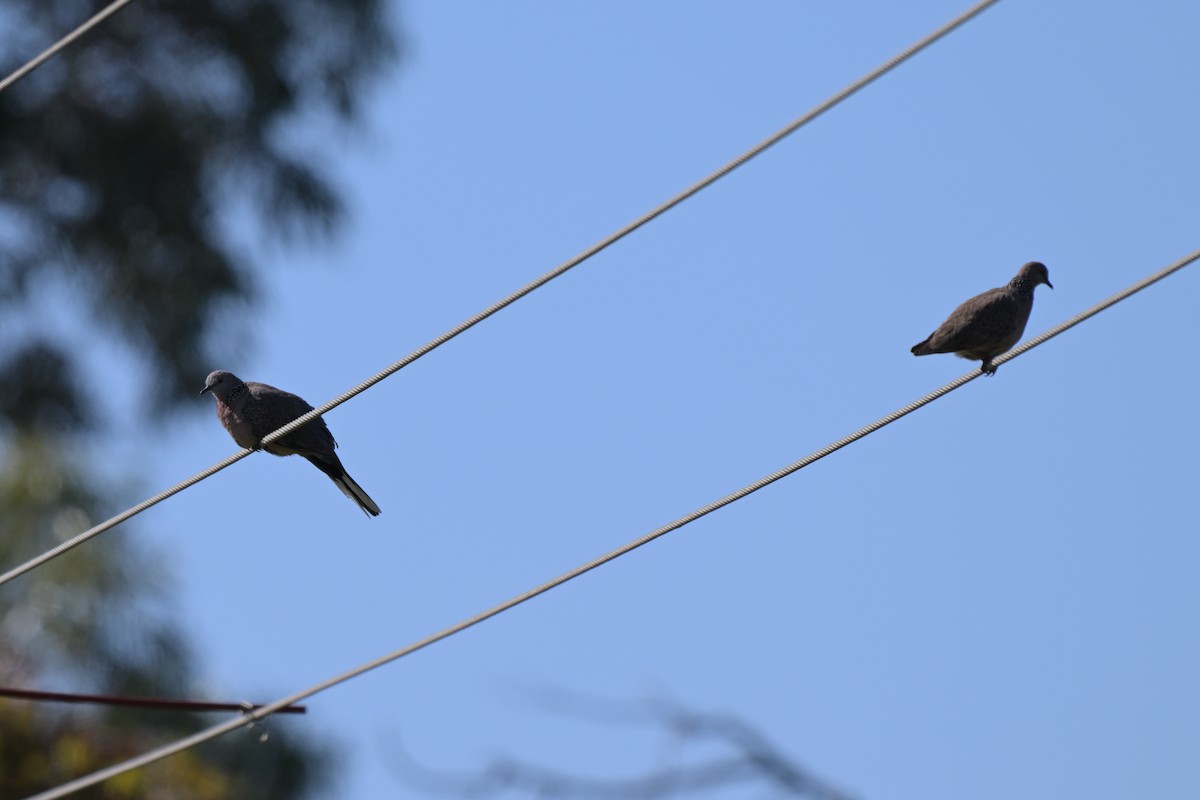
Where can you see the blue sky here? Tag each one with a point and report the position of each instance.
(991, 598)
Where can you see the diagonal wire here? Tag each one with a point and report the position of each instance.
(54, 49)
(257, 714)
(518, 294)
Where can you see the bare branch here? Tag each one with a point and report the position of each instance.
(749, 760)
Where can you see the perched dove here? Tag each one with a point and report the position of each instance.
(990, 323)
(249, 411)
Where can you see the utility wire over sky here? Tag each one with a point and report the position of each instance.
(250, 717)
(537, 283)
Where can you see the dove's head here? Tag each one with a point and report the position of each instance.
(221, 383)
(1035, 272)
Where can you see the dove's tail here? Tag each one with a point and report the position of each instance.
(337, 473)
(921, 349)
(356, 493)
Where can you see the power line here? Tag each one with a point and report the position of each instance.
(62, 43)
(153, 703)
(252, 716)
(518, 294)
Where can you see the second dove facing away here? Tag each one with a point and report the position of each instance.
(249, 411)
(990, 323)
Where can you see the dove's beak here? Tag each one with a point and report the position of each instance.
(205, 389)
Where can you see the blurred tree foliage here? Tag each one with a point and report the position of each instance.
(121, 163)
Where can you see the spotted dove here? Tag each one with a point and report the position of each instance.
(249, 411)
(990, 323)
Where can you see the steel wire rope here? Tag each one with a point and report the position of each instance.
(433, 344)
(54, 49)
(250, 717)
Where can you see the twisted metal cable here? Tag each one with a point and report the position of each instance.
(517, 295)
(112, 522)
(54, 49)
(250, 717)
